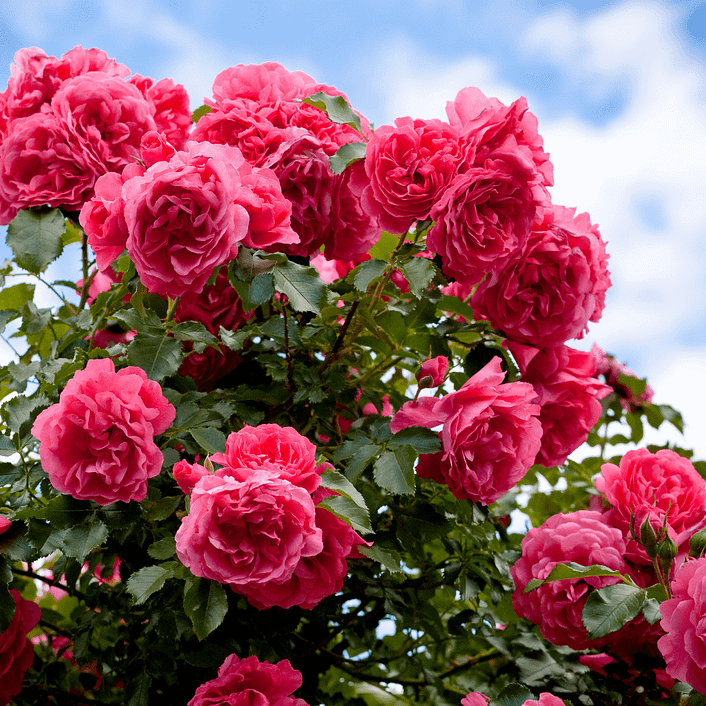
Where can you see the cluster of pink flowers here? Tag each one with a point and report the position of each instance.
(65, 122)
(256, 524)
(662, 491)
(97, 442)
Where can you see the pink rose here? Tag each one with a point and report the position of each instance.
(182, 218)
(569, 397)
(103, 217)
(489, 438)
(408, 167)
(187, 475)
(484, 218)
(549, 293)
(107, 115)
(331, 270)
(172, 113)
(612, 369)
(249, 681)
(97, 442)
(656, 486)
(4, 524)
(556, 607)
(684, 621)
(16, 651)
(475, 698)
(247, 533)
(435, 368)
(282, 451)
(484, 123)
(545, 699)
(315, 577)
(42, 163)
(155, 147)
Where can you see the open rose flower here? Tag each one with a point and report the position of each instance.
(182, 218)
(684, 621)
(658, 487)
(16, 651)
(97, 442)
(489, 438)
(556, 607)
(555, 286)
(250, 681)
(247, 533)
(568, 393)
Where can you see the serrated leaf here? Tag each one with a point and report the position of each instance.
(335, 481)
(369, 270)
(609, 608)
(5, 317)
(235, 340)
(15, 297)
(148, 580)
(35, 238)
(571, 570)
(208, 438)
(163, 508)
(163, 549)
(349, 512)
(346, 155)
(7, 448)
(158, 356)
(302, 286)
(651, 610)
(254, 292)
(336, 108)
(78, 542)
(200, 112)
(422, 440)
(206, 604)
(394, 471)
(194, 331)
(138, 690)
(389, 560)
(419, 272)
(513, 694)
(19, 410)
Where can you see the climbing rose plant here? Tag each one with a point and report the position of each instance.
(289, 413)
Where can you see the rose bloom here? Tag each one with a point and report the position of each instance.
(408, 167)
(484, 123)
(475, 698)
(684, 621)
(489, 439)
(182, 218)
(187, 475)
(557, 607)
(97, 442)
(247, 533)
(434, 368)
(484, 218)
(42, 163)
(170, 105)
(569, 397)
(314, 577)
(656, 487)
(249, 681)
(16, 651)
(549, 293)
(283, 451)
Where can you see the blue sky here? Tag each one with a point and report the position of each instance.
(619, 89)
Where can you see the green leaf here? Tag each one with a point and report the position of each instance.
(235, 340)
(163, 508)
(19, 410)
(369, 270)
(336, 108)
(148, 580)
(335, 481)
(7, 607)
(393, 324)
(200, 112)
(390, 560)
(206, 604)
(194, 331)
(138, 690)
(210, 439)
(158, 356)
(5, 317)
(422, 440)
(652, 611)
(419, 272)
(163, 549)
(343, 507)
(35, 238)
(513, 694)
(7, 448)
(254, 292)
(394, 471)
(302, 286)
(571, 570)
(611, 607)
(78, 542)
(346, 155)
(15, 297)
